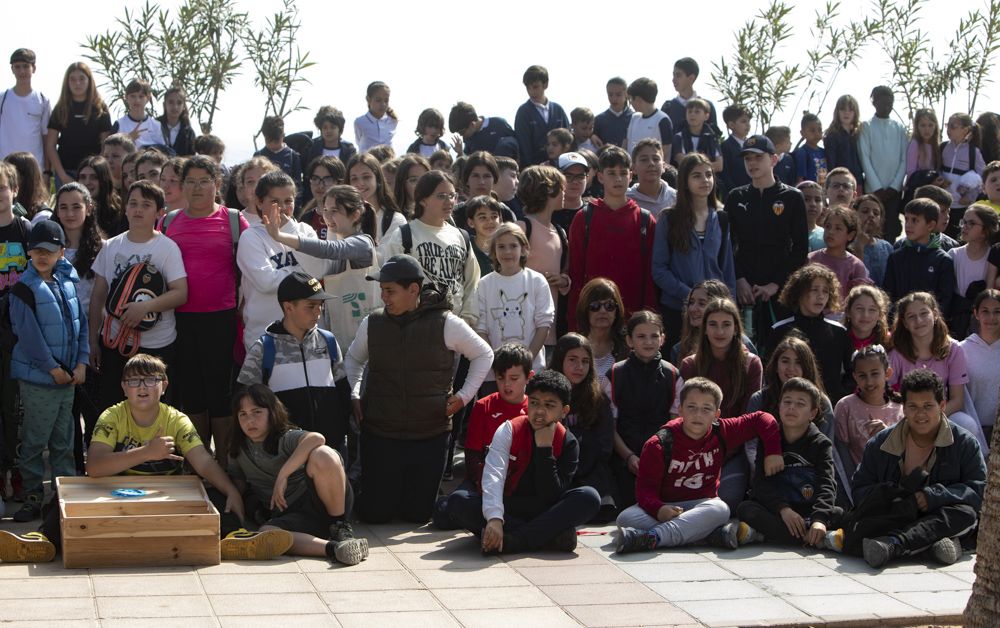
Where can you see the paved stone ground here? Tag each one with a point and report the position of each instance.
(423, 577)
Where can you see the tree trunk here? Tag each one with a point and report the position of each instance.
(984, 604)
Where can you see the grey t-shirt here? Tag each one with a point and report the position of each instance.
(259, 469)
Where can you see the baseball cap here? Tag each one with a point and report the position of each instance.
(23, 54)
(47, 235)
(299, 285)
(757, 144)
(398, 268)
(572, 159)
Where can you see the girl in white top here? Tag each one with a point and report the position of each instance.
(515, 303)
(365, 174)
(979, 226)
(378, 125)
(982, 354)
(74, 211)
(442, 249)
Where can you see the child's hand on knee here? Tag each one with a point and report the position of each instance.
(668, 512)
(493, 536)
(794, 522)
(774, 463)
(816, 533)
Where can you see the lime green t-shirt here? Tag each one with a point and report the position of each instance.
(117, 429)
(994, 206)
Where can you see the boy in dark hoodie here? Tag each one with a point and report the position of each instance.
(275, 149)
(920, 265)
(301, 363)
(796, 506)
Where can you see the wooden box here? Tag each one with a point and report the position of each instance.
(173, 524)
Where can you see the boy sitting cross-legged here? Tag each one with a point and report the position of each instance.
(143, 436)
(678, 481)
(527, 502)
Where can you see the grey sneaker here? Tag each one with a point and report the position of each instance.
(726, 535)
(947, 551)
(347, 548)
(879, 551)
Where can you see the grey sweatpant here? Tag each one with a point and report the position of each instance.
(699, 518)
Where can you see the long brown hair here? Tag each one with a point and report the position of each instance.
(880, 334)
(277, 419)
(680, 218)
(94, 106)
(736, 354)
(807, 361)
(601, 289)
(586, 398)
(715, 289)
(902, 340)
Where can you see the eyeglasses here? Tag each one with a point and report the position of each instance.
(962, 224)
(201, 183)
(148, 382)
(842, 186)
(609, 306)
(321, 180)
(446, 196)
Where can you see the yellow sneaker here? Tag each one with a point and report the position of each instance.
(31, 547)
(243, 544)
(834, 540)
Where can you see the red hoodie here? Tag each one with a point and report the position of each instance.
(695, 465)
(615, 251)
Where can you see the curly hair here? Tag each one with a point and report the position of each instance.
(880, 335)
(801, 281)
(537, 184)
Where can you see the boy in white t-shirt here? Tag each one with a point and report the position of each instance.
(141, 127)
(647, 121)
(110, 344)
(24, 112)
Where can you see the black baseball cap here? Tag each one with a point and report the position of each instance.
(398, 268)
(23, 54)
(47, 235)
(299, 285)
(758, 144)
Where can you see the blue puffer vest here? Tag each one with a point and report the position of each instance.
(60, 326)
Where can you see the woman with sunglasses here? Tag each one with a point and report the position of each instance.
(692, 242)
(600, 316)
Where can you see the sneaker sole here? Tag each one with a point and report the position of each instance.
(14, 549)
(948, 554)
(351, 552)
(869, 549)
(261, 546)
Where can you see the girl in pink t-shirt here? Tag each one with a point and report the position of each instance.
(874, 405)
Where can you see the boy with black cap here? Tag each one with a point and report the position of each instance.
(48, 361)
(302, 363)
(770, 236)
(24, 112)
(409, 347)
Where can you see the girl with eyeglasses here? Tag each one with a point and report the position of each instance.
(322, 173)
(979, 226)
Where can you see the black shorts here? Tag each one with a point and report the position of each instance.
(204, 361)
(308, 514)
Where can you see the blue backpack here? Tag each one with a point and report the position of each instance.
(269, 351)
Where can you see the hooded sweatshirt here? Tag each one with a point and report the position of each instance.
(984, 377)
(666, 198)
(924, 268)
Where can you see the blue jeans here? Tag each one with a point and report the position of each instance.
(48, 422)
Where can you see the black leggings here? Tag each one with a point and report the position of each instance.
(400, 478)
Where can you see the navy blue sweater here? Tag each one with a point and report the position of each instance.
(532, 130)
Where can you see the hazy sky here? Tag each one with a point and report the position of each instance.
(434, 53)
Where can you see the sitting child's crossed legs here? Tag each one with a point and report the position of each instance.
(699, 518)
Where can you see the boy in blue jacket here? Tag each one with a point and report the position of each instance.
(536, 117)
(919, 485)
(49, 359)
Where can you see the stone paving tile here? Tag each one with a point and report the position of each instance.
(812, 585)
(615, 593)
(629, 614)
(777, 568)
(284, 564)
(41, 570)
(54, 623)
(462, 579)
(747, 611)
(833, 606)
(685, 572)
(694, 591)
(55, 608)
(345, 580)
(551, 617)
(582, 556)
(299, 621)
(490, 598)
(252, 583)
(376, 561)
(394, 601)
(160, 622)
(415, 619)
(116, 586)
(460, 557)
(673, 556)
(891, 583)
(591, 574)
(34, 588)
(945, 602)
(150, 606)
(268, 604)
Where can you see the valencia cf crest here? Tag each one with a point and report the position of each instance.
(778, 208)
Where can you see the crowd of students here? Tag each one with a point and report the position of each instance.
(619, 317)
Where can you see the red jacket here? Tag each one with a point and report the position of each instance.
(614, 250)
(487, 415)
(695, 465)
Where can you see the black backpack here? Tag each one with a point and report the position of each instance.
(666, 438)
(7, 336)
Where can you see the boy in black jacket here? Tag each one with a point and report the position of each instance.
(527, 500)
(796, 506)
(920, 265)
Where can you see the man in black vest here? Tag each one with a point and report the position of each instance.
(405, 413)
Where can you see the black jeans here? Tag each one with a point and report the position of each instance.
(771, 524)
(400, 478)
(533, 530)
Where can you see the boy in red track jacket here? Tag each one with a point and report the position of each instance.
(678, 481)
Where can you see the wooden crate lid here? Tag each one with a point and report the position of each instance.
(179, 491)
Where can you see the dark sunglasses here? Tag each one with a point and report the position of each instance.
(609, 306)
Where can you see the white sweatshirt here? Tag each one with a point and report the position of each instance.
(264, 263)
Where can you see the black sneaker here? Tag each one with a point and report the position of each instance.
(31, 510)
(635, 540)
(565, 541)
(879, 551)
(726, 535)
(347, 548)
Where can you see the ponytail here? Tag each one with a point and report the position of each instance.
(368, 226)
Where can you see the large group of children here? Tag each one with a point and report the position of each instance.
(620, 317)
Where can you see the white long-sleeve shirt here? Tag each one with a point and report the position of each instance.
(882, 148)
(458, 336)
(264, 263)
(512, 308)
(495, 472)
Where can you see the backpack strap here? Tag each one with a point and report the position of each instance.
(169, 218)
(234, 226)
(386, 221)
(331, 344)
(527, 228)
(407, 235)
(611, 379)
(644, 220)
(588, 215)
(564, 243)
(268, 352)
(468, 243)
(666, 438)
(724, 227)
(717, 430)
